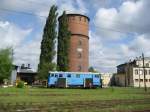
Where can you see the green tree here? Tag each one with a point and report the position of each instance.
(91, 69)
(5, 64)
(63, 44)
(48, 52)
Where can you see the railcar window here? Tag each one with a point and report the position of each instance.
(60, 75)
(52, 75)
(97, 76)
(78, 75)
(56, 75)
(69, 75)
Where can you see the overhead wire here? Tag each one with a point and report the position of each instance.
(94, 25)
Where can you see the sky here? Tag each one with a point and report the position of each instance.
(119, 30)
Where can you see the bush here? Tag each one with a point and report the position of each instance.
(20, 84)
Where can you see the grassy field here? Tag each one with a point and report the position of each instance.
(73, 100)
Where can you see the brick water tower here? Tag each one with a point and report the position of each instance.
(79, 43)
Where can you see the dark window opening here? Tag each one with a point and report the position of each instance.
(141, 80)
(60, 75)
(69, 75)
(97, 76)
(73, 18)
(84, 19)
(78, 75)
(79, 68)
(79, 55)
(80, 43)
(80, 18)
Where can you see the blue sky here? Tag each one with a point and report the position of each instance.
(119, 29)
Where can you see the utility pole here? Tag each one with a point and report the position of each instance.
(12, 53)
(126, 75)
(144, 73)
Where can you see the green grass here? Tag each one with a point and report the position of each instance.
(105, 99)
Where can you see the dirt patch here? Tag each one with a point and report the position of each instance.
(73, 106)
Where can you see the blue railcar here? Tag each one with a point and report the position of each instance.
(74, 79)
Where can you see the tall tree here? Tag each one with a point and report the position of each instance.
(46, 63)
(63, 44)
(5, 64)
(91, 69)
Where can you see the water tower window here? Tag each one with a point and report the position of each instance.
(80, 43)
(73, 18)
(79, 55)
(79, 68)
(84, 19)
(80, 18)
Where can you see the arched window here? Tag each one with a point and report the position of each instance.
(80, 43)
(85, 19)
(80, 18)
(79, 68)
(79, 55)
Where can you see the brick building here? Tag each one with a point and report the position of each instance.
(79, 43)
(132, 73)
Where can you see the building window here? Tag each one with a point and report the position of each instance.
(136, 80)
(136, 72)
(141, 80)
(69, 75)
(77, 75)
(79, 55)
(79, 68)
(146, 80)
(80, 18)
(147, 64)
(145, 72)
(141, 72)
(149, 80)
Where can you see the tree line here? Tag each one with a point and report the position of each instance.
(48, 44)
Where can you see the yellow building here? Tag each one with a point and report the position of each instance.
(106, 79)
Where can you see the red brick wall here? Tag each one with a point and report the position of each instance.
(79, 59)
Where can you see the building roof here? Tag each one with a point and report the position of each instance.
(75, 15)
(145, 58)
(26, 71)
(132, 62)
(73, 72)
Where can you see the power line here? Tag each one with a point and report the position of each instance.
(20, 12)
(41, 4)
(32, 14)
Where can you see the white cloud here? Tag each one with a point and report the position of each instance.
(131, 17)
(28, 53)
(110, 44)
(11, 35)
(14, 36)
(69, 6)
(40, 8)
